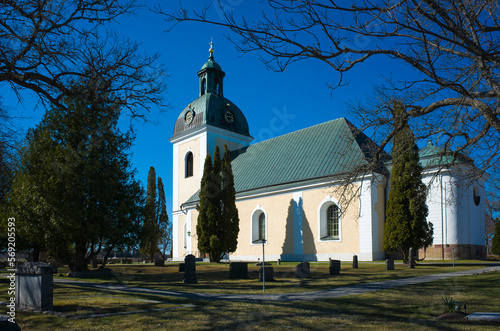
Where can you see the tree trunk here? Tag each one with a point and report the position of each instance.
(80, 261)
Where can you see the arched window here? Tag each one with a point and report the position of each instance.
(217, 86)
(262, 226)
(332, 222)
(189, 165)
(329, 220)
(476, 197)
(259, 225)
(203, 85)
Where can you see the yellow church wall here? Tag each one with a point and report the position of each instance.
(280, 210)
(277, 210)
(349, 232)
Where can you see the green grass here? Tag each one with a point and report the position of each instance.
(395, 309)
(213, 278)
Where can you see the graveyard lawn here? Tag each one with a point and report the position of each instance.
(214, 277)
(416, 306)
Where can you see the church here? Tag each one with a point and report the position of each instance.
(289, 188)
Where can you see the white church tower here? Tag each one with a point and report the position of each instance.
(208, 121)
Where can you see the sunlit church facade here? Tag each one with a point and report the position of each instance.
(288, 189)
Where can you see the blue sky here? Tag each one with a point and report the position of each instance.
(296, 98)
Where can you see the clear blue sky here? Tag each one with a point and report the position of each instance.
(301, 91)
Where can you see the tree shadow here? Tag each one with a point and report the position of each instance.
(299, 239)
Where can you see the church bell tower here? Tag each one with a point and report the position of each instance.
(208, 121)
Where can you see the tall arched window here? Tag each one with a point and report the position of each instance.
(329, 224)
(262, 226)
(259, 225)
(203, 86)
(189, 164)
(217, 86)
(332, 222)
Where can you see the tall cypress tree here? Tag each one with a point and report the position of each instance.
(495, 242)
(150, 232)
(406, 214)
(163, 224)
(202, 227)
(218, 223)
(229, 210)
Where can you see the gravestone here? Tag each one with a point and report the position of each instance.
(278, 262)
(35, 286)
(159, 263)
(302, 270)
(238, 270)
(182, 266)
(6, 325)
(269, 274)
(389, 264)
(355, 262)
(334, 267)
(190, 270)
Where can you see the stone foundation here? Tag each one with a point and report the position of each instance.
(462, 252)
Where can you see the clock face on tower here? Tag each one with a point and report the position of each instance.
(229, 116)
(188, 118)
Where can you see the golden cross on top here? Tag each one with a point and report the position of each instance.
(211, 50)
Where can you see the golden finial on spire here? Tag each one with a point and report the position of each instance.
(211, 50)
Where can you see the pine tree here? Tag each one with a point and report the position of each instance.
(218, 223)
(229, 210)
(165, 233)
(74, 192)
(150, 231)
(495, 242)
(406, 225)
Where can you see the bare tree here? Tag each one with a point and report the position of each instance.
(451, 45)
(47, 45)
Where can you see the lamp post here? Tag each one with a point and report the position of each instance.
(263, 241)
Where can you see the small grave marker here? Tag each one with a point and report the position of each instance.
(303, 270)
(190, 270)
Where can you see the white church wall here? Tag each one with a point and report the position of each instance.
(370, 214)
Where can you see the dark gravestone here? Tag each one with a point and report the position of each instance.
(238, 270)
(389, 264)
(190, 270)
(182, 266)
(269, 274)
(6, 325)
(278, 262)
(355, 262)
(159, 263)
(302, 270)
(35, 286)
(334, 267)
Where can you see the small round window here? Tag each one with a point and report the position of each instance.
(476, 197)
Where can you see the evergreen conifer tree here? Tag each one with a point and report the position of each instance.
(406, 214)
(150, 233)
(218, 223)
(495, 249)
(229, 210)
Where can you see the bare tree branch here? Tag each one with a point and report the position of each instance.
(45, 46)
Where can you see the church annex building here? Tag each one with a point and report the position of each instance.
(285, 188)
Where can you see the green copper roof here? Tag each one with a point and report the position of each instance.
(211, 64)
(305, 156)
(434, 156)
(210, 109)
